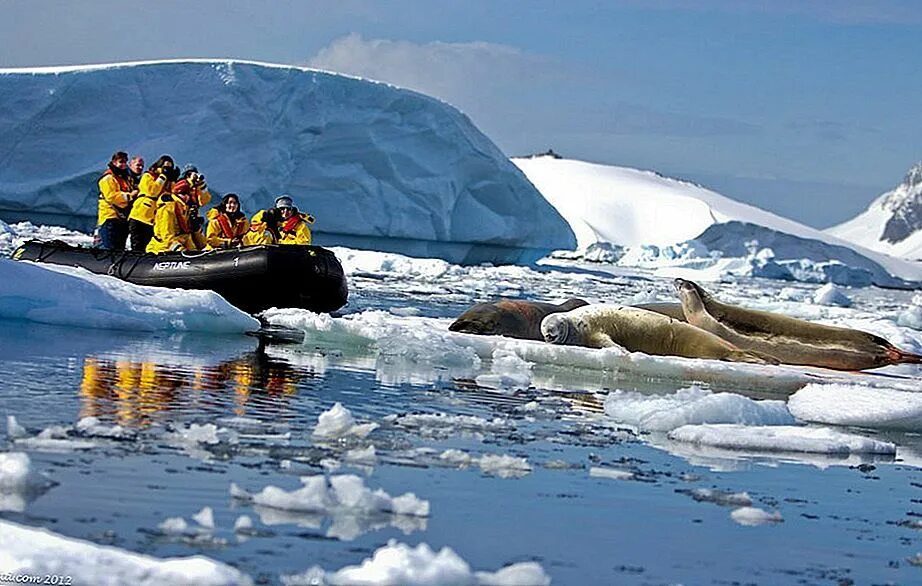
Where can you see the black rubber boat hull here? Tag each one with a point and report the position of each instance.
(253, 278)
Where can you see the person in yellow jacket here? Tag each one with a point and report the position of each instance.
(293, 226)
(200, 194)
(116, 193)
(227, 225)
(156, 181)
(175, 225)
(263, 228)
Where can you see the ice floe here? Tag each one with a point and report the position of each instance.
(780, 438)
(27, 550)
(612, 473)
(753, 516)
(320, 494)
(858, 405)
(692, 405)
(719, 497)
(338, 422)
(397, 563)
(75, 297)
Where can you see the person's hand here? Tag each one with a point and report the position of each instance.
(133, 194)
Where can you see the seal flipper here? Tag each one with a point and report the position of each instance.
(601, 340)
(898, 356)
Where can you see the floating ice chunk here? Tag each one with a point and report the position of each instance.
(53, 439)
(752, 516)
(503, 381)
(456, 457)
(173, 526)
(69, 296)
(13, 429)
(366, 456)
(857, 405)
(613, 473)
(301, 319)
(692, 405)
(520, 574)
(397, 563)
(830, 294)
(780, 438)
(504, 466)
(448, 422)
(719, 497)
(337, 422)
(15, 472)
(205, 518)
(92, 427)
(239, 493)
(321, 495)
(911, 317)
(38, 552)
(208, 433)
(243, 524)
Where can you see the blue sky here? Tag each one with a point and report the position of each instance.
(808, 109)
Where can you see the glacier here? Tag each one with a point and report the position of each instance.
(380, 167)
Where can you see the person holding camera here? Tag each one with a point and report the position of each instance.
(200, 194)
(116, 193)
(175, 226)
(293, 226)
(227, 225)
(156, 181)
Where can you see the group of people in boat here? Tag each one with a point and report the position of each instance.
(158, 210)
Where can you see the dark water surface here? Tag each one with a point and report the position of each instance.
(842, 524)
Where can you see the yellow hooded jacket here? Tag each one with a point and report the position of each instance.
(259, 232)
(298, 233)
(215, 234)
(151, 188)
(114, 197)
(172, 227)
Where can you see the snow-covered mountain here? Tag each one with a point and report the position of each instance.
(664, 219)
(892, 223)
(380, 167)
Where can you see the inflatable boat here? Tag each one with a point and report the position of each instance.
(253, 278)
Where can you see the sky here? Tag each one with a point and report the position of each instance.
(806, 109)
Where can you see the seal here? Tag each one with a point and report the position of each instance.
(640, 330)
(513, 318)
(791, 340)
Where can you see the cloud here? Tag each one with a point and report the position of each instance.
(454, 72)
(515, 96)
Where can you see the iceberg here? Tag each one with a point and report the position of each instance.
(379, 166)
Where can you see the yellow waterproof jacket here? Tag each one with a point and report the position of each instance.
(202, 196)
(172, 227)
(295, 232)
(114, 197)
(226, 232)
(259, 232)
(151, 188)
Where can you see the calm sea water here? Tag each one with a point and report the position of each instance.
(842, 523)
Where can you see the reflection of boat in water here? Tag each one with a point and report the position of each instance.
(134, 391)
(253, 278)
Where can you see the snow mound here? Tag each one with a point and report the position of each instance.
(379, 166)
(640, 218)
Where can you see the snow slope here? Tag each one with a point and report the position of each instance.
(380, 167)
(892, 223)
(628, 207)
